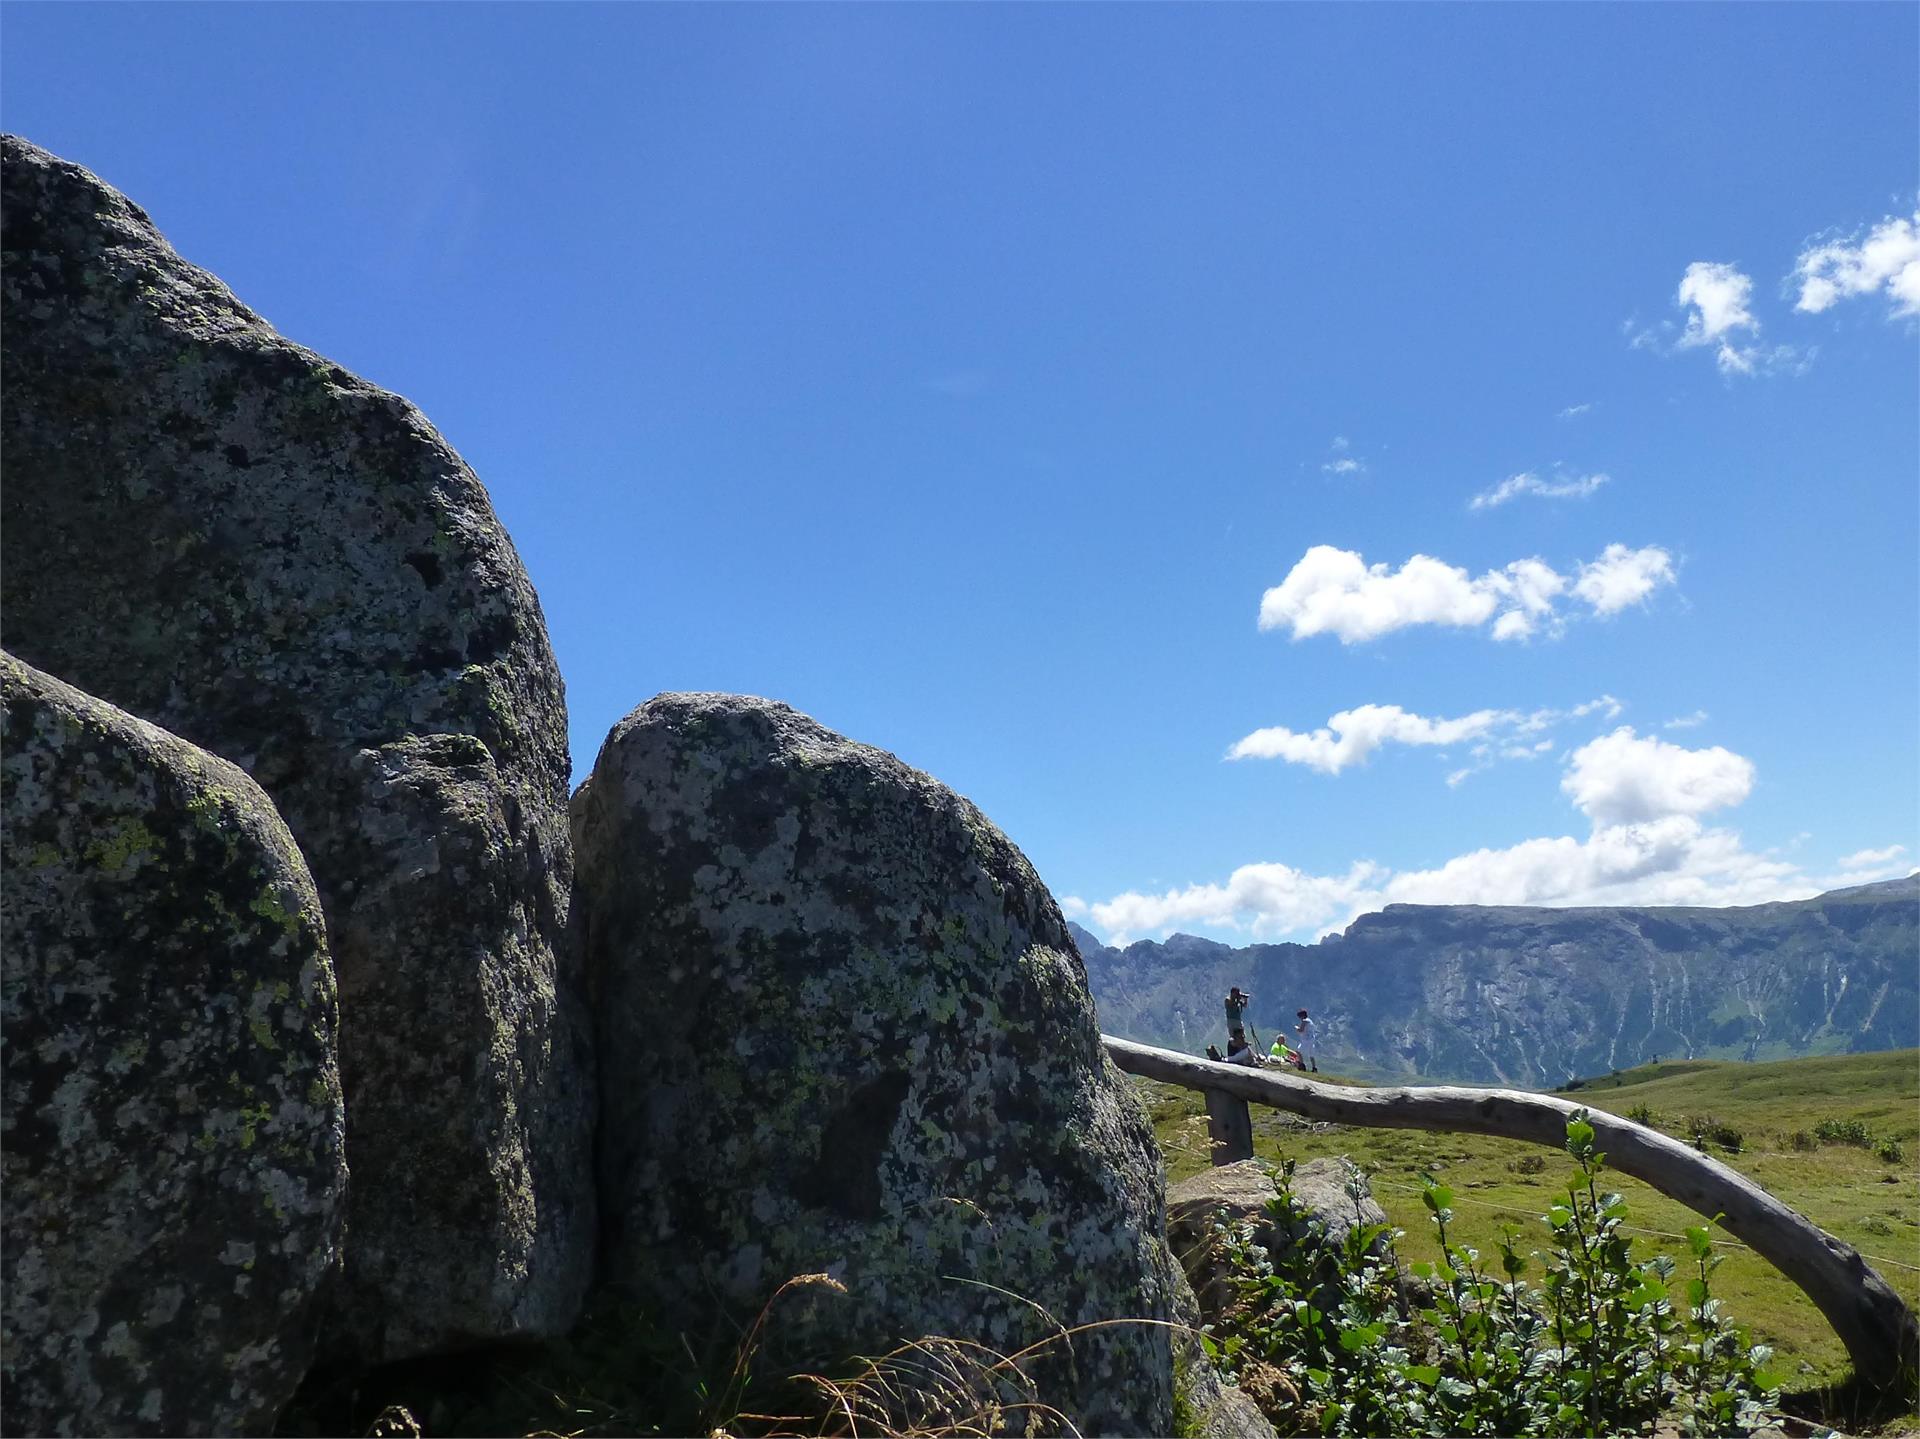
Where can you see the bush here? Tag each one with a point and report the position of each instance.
(1530, 1164)
(1704, 1127)
(1599, 1348)
(1843, 1131)
(1854, 1131)
(1641, 1114)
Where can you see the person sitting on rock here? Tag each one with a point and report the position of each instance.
(1240, 1052)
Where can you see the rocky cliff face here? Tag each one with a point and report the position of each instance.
(226, 534)
(1534, 996)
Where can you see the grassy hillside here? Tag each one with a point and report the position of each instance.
(1871, 1202)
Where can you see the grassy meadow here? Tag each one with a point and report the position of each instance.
(1872, 1202)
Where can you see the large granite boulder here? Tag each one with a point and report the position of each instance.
(230, 536)
(172, 1137)
(843, 1029)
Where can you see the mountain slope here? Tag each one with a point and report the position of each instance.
(1533, 996)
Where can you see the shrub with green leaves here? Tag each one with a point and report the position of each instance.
(1603, 1344)
(1704, 1127)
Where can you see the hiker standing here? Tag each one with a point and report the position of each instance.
(1237, 1002)
(1305, 1047)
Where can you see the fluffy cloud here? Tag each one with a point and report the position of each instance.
(1625, 779)
(1647, 846)
(1717, 300)
(1267, 898)
(1888, 258)
(1560, 487)
(1869, 858)
(1335, 591)
(1351, 736)
(1717, 295)
(1622, 577)
(1671, 860)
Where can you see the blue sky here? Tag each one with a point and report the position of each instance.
(1069, 398)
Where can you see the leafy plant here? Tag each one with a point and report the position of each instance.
(1843, 1131)
(1602, 1346)
(1855, 1132)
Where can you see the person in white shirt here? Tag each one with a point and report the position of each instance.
(1305, 1047)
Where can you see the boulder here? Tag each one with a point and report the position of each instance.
(1237, 1195)
(172, 1140)
(228, 535)
(843, 1030)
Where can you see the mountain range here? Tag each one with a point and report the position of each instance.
(1532, 997)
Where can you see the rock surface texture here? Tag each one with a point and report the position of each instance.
(843, 1029)
(172, 1147)
(230, 536)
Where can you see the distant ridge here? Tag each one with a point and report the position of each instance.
(1529, 996)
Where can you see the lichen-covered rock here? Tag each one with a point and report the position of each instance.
(843, 1029)
(172, 1142)
(230, 536)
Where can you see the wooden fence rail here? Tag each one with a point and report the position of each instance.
(1872, 1320)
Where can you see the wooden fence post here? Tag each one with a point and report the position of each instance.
(1229, 1126)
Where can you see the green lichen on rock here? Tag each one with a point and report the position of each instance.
(842, 1028)
(227, 534)
(161, 1021)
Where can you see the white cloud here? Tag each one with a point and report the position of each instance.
(1647, 847)
(1267, 898)
(1621, 577)
(1335, 591)
(1073, 907)
(1888, 258)
(1572, 411)
(1352, 735)
(1341, 462)
(1718, 296)
(1868, 858)
(1560, 487)
(1692, 721)
(1674, 860)
(1624, 779)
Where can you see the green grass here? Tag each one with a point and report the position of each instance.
(1872, 1204)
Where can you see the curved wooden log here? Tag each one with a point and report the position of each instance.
(1873, 1322)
